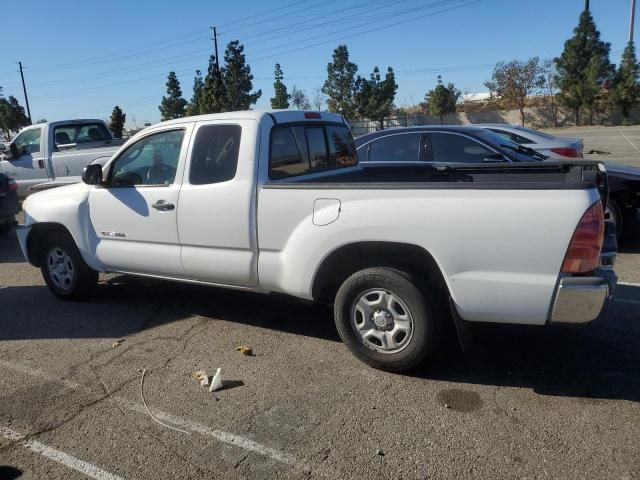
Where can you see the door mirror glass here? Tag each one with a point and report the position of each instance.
(92, 174)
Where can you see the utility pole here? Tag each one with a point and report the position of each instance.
(24, 88)
(632, 17)
(215, 43)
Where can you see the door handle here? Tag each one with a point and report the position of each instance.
(163, 206)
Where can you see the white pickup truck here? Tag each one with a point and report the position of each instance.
(276, 202)
(52, 154)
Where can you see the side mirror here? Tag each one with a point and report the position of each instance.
(495, 158)
(13, 148)
(92, 174)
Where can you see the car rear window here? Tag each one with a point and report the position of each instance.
(297, 150)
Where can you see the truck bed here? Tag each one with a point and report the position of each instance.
(537, 176)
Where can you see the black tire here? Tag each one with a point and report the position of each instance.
(79, 281)
(615, 214)
(422, 340)
(6, 227)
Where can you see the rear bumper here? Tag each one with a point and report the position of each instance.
(583, 299)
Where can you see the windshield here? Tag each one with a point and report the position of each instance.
(512, 148)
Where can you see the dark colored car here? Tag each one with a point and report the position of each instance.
(9, 205)
(446, 145)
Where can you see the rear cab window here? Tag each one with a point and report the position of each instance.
(309, 148)
(80, 133)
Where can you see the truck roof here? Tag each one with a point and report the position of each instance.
(279, 116)
(65, 122)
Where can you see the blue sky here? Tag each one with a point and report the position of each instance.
(82, 58)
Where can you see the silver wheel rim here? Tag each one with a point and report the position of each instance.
(382, 321)
(61, 269)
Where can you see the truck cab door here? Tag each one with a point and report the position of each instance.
(133, 216)
(28, 167)
(216, 210)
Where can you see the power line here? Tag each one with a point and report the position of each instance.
(343, 37)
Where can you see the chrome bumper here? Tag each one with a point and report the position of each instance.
(583, 299)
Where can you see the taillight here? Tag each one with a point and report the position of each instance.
(567, 152)
(312, 115)
(583, 254)
(12, 184)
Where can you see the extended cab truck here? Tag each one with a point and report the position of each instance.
(54, 154)
(276, 202)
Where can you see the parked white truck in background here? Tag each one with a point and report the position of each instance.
(47, 155)
(276, 202)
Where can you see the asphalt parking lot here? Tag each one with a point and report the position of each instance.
(526, 402)
(616, 144)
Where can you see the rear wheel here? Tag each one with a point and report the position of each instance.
(385, 320)
(63, 269)
(613, 213)
(6, 226)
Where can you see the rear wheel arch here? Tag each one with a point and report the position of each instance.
(410, 259)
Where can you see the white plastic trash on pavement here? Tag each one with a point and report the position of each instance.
(216, 381)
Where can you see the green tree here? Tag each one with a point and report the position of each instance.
(213, 96)
(12, 116)
(299, 99)
(515, 81)
(583, 67)
(193, 107)
(374, 97)
(626, 90)
(340, 85)
(173, 105)
(116, 123)
(441, 100)
(237, 79)
(281, 97)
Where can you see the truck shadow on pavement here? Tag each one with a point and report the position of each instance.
(600, 360)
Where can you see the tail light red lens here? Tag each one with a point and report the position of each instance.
(315, 115)
(13, 184)
(567, 152)
(583, 254)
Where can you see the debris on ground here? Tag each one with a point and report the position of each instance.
(117, 343)
(144, 402)
(245, 350)
(201, 376)
(216, 381)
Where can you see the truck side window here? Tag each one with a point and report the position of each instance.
(215, 154)
(29, 140)
(454, 148)
(307, 149)
(396, 148)
(152, 160)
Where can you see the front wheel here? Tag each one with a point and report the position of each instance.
(385, 320)
(63, 269)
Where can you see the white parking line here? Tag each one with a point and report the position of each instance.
(219, 435)
(57, 456)
(624, 300)
(627, 139)
(629, 284)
